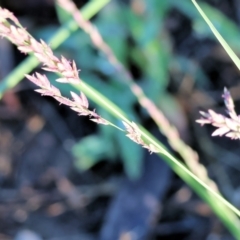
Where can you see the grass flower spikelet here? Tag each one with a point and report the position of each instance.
(228, 126)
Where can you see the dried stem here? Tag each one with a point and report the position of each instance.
(188, 154)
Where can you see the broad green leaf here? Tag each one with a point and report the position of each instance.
(153, 43)
(90, 150)
(112, 25)
(63, 16)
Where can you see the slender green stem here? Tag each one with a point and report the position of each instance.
(220, 206)
(225, 45)
(114, 110)
(236, 60)
(88, 11)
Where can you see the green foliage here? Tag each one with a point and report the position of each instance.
(112, 24)
(151, 52)
(63, 16)
(91, 150)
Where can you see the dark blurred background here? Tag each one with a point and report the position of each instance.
(62, 177)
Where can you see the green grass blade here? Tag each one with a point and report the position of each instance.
(227, 48)
(88, 11)
(223, 209)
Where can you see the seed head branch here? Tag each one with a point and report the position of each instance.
(67, 69)
(228, 126)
